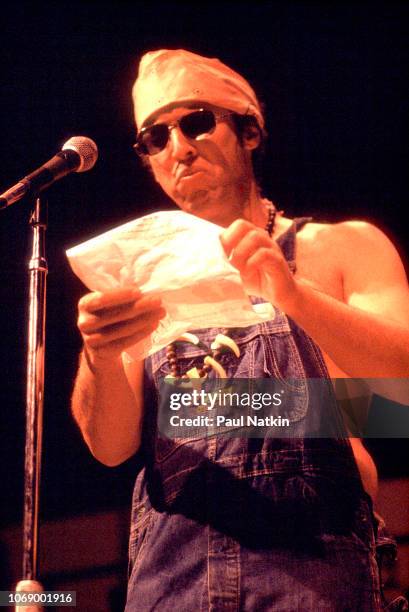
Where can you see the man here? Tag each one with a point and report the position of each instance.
(233, 524)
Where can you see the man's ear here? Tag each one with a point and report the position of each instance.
(251, 137)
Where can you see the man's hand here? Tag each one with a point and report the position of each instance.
(112, 321)
(259, 259)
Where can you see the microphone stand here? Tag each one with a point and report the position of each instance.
(38, 270)
(78, 154)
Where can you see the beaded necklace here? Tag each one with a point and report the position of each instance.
(222, 341)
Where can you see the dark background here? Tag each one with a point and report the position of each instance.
(333, 78)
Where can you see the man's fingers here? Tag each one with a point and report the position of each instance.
(121, 344)
(232, 235)
(112, 321)
(263, 257)
(117, 331)
(89, 322)
(250, 244)
(109, 350)
(98, 300)
(265, 273)
(241, 239)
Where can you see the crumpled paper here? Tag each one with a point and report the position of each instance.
(178, 257)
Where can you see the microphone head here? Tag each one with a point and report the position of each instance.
(86, 149)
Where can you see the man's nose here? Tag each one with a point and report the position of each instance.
(182, 147)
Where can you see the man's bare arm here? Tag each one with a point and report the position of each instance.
(106, 407)
(367, 334)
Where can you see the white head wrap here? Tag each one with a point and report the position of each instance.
(169, 76)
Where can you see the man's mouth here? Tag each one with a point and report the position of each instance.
(187, 173)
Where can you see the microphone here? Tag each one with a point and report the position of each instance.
(78, 154)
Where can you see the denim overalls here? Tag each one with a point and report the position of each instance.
(252, 524)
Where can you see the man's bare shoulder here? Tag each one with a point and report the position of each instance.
(329, 253)
(335, 233)
(344, 242)
(328, 232)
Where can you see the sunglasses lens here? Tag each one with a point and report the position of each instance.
(154, 139)
(197, 123)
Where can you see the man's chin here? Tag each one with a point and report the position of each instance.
(195, 203)
(201, 205)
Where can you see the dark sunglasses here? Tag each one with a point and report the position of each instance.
(153, 139)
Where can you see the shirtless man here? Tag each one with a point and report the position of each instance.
(349, 292)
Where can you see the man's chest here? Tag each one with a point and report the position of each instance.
(317, 262)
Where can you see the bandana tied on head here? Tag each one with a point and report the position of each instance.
(169, 76)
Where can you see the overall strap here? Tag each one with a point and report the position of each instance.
(287, 240)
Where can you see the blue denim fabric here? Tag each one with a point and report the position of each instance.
(235, 524)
